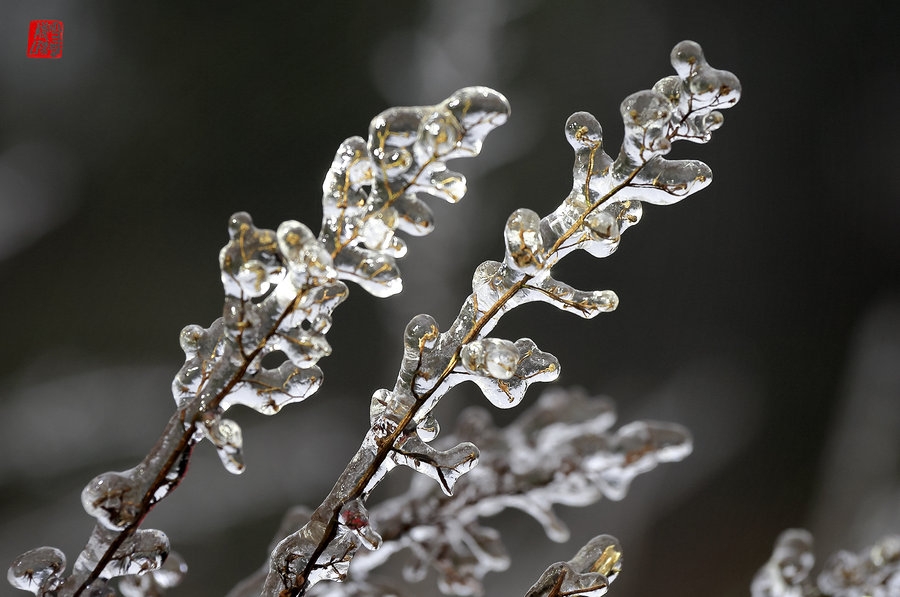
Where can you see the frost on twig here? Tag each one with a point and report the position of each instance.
(281, 287)
(605, 200)
(873, 572)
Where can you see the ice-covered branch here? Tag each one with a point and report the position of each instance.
(281, 287)
(873, 572)
(561, 450)
(605, 200)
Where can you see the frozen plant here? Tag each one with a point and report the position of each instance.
(874, 572)
(281, 287)
(561, 450)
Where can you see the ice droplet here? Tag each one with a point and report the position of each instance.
(428, 428)
(440, 134)
(524, 245)
(37, 570)
(492, 357)
(226, 436)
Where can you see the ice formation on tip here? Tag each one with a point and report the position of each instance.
(873, 572)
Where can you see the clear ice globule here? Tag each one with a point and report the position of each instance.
(38, 570)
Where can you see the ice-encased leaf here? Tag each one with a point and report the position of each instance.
(519, 364)
(444, 466)
(405, 155)
(267, 391)
(583, 303)
(250, 262)
(38, 570)
(635, 449)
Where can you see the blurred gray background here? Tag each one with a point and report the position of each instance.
(763, 313)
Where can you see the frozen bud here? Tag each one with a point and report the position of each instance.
(490, 357)
(583, 131)
(169, 575)
(421, 333)
(645, 109)
(37, 570)
(191, 339)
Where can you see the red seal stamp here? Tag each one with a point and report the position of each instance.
(45, 39)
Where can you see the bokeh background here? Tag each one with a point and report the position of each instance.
(763, 313)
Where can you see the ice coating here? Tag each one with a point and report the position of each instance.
(588, 574)
(226, 436)
(373, 187)
(605, 200)
(110, 499)
(282, 285)
(561, 450)
(490, 357)
(155, 582)
(143, 552)
(38, 570)
(874, 571)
